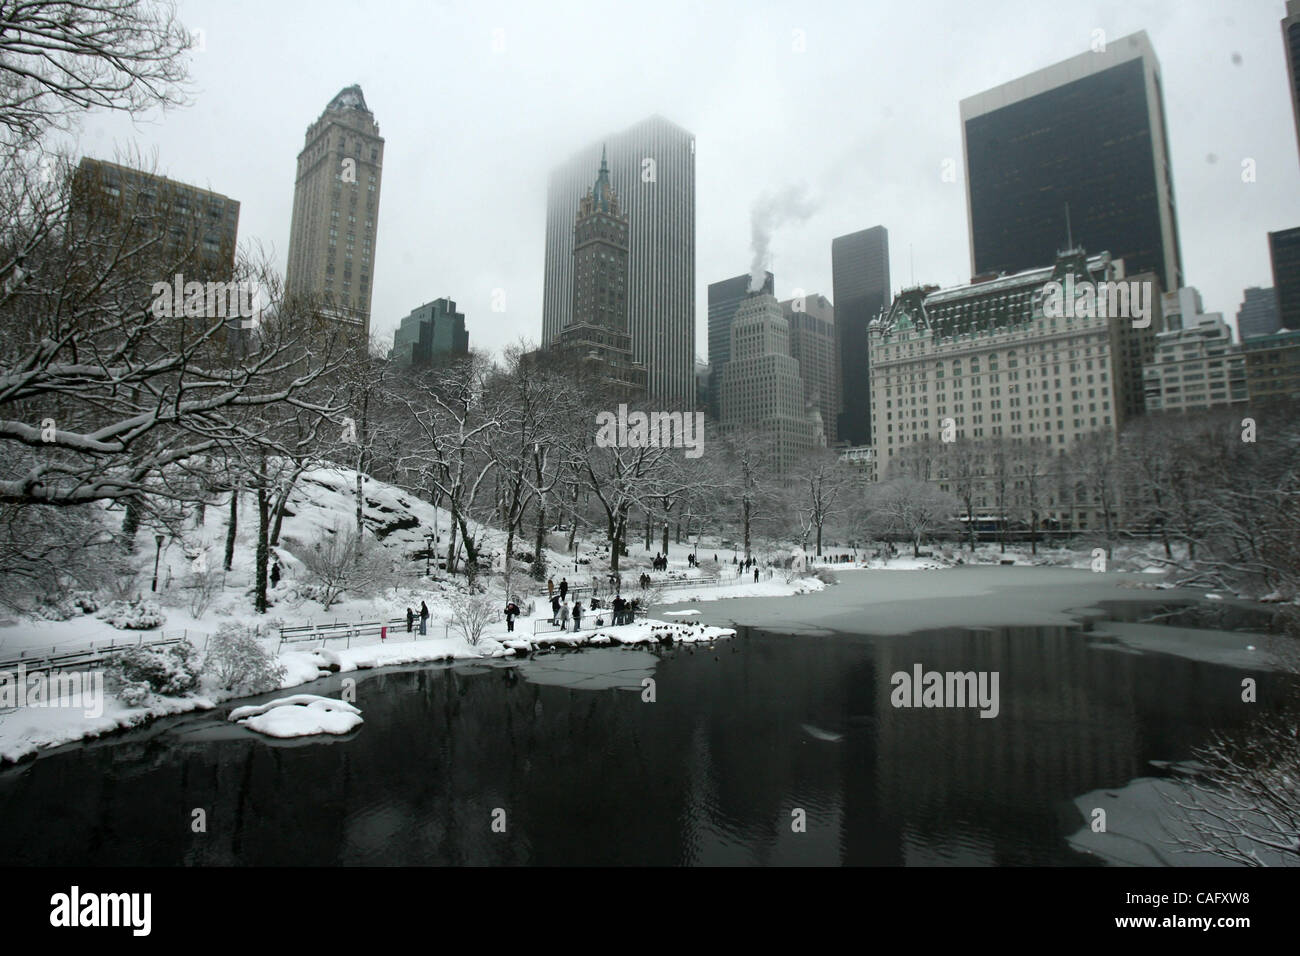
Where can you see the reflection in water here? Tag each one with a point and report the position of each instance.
(743, 739)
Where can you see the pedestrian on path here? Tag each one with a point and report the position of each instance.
(424, 618)
(550, 587)
(512, 611)
(577, 615)
(555, 609)
(410, 620)
(564, 617)
(564, 589)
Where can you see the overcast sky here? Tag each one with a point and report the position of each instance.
(863, 120)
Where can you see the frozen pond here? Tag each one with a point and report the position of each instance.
(791, 719)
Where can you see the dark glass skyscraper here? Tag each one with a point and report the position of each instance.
(1291, 45)
(860, 276)
(1284, 251)
(435, 328)
(1088, 133)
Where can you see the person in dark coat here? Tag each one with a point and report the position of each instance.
(555, 609)
(512, 610)
(618, 610)
(577, 615)
(275, 574)
(564, 588)
(424, 618)
(756, 574)
(410, 620)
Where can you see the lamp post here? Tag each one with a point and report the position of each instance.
(428, 554)
(157, 540)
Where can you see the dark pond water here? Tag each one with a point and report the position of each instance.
(740, 736)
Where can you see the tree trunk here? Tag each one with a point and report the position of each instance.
(360, 522)
(280, 504)
(539, 561)
(451, 543)
(233, 528)
(819, 540)
(130, 524)
(665, 539)
(263, 550)
(745, 522)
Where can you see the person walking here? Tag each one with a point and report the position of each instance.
(564, 617)
(577, 615)
(564, 589)
(550, 587)
(410, 620)
(424, 618)
(555, 609)
(756, 574)
(512, 609)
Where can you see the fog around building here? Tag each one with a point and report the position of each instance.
(852, 109)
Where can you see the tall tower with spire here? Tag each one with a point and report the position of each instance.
(336, 212)
(598, 329)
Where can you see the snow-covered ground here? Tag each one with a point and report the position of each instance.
(24, 730)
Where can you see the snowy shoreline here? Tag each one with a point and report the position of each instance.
(27, 732)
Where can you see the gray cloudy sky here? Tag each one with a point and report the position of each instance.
(861, 121)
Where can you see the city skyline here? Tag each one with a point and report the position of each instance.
(886, 165)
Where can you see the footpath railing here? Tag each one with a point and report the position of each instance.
(95, 653)
(349, 631)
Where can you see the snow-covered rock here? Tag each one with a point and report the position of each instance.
(299, 715)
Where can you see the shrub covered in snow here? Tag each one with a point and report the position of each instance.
(55, 610)
(135, 695)
(170, 670)
(238, 661)
(825, 575)
(137, 615)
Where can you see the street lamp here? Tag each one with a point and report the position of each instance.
(428, 554)
(157, 540)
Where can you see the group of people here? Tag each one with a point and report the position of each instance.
(423, 616)
(660, 563)
(561, 612)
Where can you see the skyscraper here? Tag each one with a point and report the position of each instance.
(336, 211)
(860, 280)
(1284, 251)
(597, 328)
(724, 300)
(813, 346)
(1258, 313)
(1088, 134)
(435, 328)
(761, 387)
(652, 170)
(1291, 46)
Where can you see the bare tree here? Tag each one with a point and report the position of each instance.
(962, 464)
(915, 509)
(471, 614)
(822, 485)
(450, 427)
(342, 561)
(59, 58)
